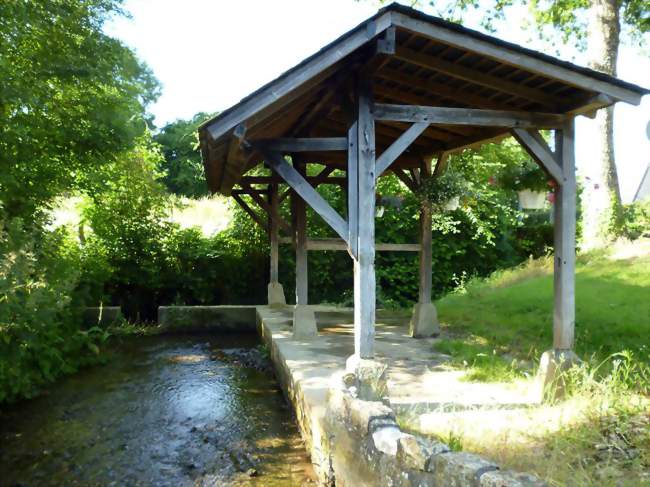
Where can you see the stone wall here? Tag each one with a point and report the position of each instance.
(228, 319)
(368, 448)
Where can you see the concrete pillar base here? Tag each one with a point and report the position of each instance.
(550, 376)
(424, 322)
(370, 378)
(304, 323)
(275, 294)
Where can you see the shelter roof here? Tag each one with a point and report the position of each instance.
(411, 58)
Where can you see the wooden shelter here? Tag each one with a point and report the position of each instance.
(398, 94)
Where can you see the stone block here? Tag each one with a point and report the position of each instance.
(371, 378)
(275, 294)
(414, 452)
(362, 413)
(304, 323)
(459, 469)
(551, 376)
(424, 322)
(499, 478)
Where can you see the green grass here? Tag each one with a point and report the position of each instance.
(499, 327)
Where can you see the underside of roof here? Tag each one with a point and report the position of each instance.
(432, 63)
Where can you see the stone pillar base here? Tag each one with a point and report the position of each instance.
(550, 376)
(424, 322)
(275, 294)
(304, 322)
(370, 378)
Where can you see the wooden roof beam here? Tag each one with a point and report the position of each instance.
(475, 76)
(467, 116)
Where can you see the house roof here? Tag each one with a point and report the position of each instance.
(436, 63)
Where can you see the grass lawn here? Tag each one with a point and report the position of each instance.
(500, 326)
(496, 329)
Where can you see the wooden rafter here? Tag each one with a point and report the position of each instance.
(467, 116)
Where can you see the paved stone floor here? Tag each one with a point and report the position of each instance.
(423, 389)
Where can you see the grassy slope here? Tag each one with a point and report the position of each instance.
(500, 326)
(510, 315)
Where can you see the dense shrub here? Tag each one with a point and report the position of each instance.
(636, 220)
(40, 334)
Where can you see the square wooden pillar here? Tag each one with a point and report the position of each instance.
(304, 321)
(561, 357)
(361, 199)
(275, 293)
(424, 322)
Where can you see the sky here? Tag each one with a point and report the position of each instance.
(208, 54)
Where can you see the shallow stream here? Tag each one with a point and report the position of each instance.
(167, 410)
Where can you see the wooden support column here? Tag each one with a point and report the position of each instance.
(275, 293)
(364, 264)
(424, 322)
(304, 320)
(562, 357)
(301, 246)
(565, 242)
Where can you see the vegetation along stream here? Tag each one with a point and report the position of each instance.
(165, 410)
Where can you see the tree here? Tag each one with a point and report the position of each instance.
(182, 159)
(596, 25)
(71, 97)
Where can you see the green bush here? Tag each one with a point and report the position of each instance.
(636, 220)
(40, 314)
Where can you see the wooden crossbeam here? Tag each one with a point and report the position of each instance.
(265, 205)
(406, 179)
(312, 144)
(399, 146)
(313, 180)
(338, 244)
(474, 76)
(254, 216)
(467, 116)
(298, 183)
(533, 142)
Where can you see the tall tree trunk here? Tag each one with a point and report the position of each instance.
(601, 200)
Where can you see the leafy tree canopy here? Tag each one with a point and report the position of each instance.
(70, 98)
(182, 159)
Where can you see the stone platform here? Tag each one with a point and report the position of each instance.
(421, 389)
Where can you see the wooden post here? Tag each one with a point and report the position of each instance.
(304, 319)
(425, 253)
(275, 293)
(364, 265)
(273, 201)
(301, 246)
(424, 322)
(565, 242)
(554, 362)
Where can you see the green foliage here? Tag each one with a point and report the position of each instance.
(440, 190)
(510, 314)
(40, 337)
(71, 98)
(636, 220)
(182, 161)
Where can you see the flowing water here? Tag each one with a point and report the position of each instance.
(166, 410)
